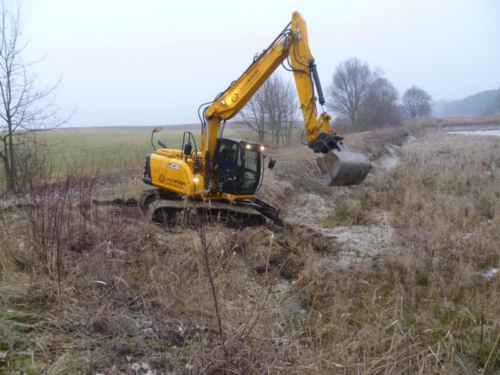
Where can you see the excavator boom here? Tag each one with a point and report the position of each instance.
(220, 179)
(339, 166)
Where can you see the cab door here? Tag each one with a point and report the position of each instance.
(229, 162)
(251, 158)
(238, 166)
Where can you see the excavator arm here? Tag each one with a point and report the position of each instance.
(338, 165)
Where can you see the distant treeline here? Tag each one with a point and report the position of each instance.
(483, 103)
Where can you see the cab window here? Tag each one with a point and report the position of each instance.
(250, 172)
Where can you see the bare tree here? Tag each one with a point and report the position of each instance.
(281, 110)
(273, 109)
(24, 108)
(498, 101)
(380, 107)
(350, 85)
(363, 96)
(417, 102)
(254, 114)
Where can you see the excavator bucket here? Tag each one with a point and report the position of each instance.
(343, 167)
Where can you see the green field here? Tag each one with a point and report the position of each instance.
(110, 148)
(114, 145)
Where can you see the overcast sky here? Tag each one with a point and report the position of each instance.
(153, 62)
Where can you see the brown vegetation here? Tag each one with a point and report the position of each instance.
(454, 123)
(87, 288)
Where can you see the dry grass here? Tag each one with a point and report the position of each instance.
(444, 201)
(420, 125)
(373, 144)
(92, 289)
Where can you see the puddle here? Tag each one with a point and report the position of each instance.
(490, 273)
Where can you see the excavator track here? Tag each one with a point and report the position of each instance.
(164, 208)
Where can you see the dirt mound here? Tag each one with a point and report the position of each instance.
(282, 250)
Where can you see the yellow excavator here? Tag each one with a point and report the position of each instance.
(221, 177)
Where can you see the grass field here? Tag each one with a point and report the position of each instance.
(111, 148)
(115, 145)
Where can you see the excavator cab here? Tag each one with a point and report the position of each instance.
(238, 166)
